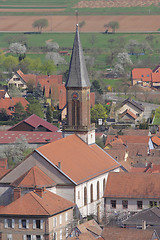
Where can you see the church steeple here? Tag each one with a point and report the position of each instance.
(78, 96)
(78, 75)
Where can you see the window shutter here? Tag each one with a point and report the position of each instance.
(60, 219)
(33, 237)
(13, 223)
(24, 237)
(41, 237)
(5, 223)
(34, 224)
(27, 223)
(41, 224)
(20, 223)
(66, 216)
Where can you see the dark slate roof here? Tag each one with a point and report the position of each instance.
(78, 75)
(151, 216)
(133, 103)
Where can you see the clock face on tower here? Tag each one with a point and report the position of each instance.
(75, 96)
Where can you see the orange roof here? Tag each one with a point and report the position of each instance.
(133, 185)
(33, 178)
(79, 161)
(117, 233)
(90, 226)
(84, 236)
(11, 102)
(31, 204)
(3, 172)
(156, 77)
(129, 113)
(128, 139)
(143, 74)
(156, 140)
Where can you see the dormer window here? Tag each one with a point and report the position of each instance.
(147, 75)
(142, 75)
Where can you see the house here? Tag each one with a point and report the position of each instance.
(146, 77)
(131, 192)
(79, 170)
(129, 111)
(117, 233)
(141, 76)
(34, 123)
(39, 214)
(90, 226)
(148, 218)
(9, 103)
(4, 94)
(34, 139)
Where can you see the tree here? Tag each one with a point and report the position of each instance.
(34, 107)
(17, 48)
(113, 25)
(97, 87)
(3, 115)
(124, 59)
(98, 112)
(50, 46)
(55, 57)
(49, 114)
(37, 91)
(48, 68)
(30, 85)
(10, 63)
(19, 112)
(40, 24)
(16, 151)
(81, 24)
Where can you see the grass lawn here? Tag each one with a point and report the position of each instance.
(156, 121)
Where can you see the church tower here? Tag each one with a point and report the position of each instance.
(78, 96)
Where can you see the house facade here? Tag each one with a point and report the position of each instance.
(35, 216)
(131, 192)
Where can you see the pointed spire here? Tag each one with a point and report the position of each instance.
(78, 75)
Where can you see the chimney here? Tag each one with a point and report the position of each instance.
(144, 225)
(59, 165)
(39, 191)
(16, 193)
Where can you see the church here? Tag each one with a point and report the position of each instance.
(74, 167)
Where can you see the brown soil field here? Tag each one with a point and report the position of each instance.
(93, 23)
(32, 10)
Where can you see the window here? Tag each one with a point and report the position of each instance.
(9, 236)
(78, 194)
(104, 184)
(28, 237)
(97, 190)
(61, 234)
(54, 222)
(139, 204)
(60, 219)
(9, 223)
(91, 192)
(125, 204)
(66, 232)
(142, 75)
(85, 196)
(37, 224)
(113, 203)
(55, 236)
(153, 204)
(24, 223)
(147, 75)
(66, 216)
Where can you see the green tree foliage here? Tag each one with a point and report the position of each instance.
(11, 64)
(97, 87)
(34, 107)
(37, 92)
(113, 25)
(48, 68)
(49, 114)
(3, 115)
(98, 112)
(40, 24)
(19, 113)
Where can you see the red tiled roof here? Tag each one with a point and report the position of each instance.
(117, 233)
(155, 168)
(3, 172)
(90, 226)
(156, 77)
(128, 139)
(156, 140)
(79, 161)
(31, 137)
(143, 74)
(137, 169)
(31, 204)
(2, 93)
(33, 178)
(84, 236)
(11, 102)
(62, 96)
(35, 122)
(129, 113)
(133, 185)
(3, 163)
